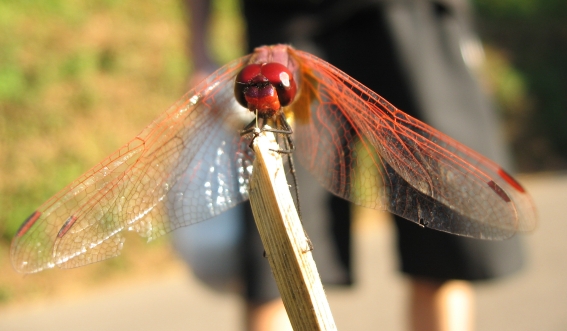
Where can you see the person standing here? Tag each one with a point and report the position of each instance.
(420, 55)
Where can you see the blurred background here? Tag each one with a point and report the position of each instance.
(80, 78)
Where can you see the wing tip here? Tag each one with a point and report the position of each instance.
(510, 180)
(28, 224)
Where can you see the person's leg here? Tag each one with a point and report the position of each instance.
(268, 316)
(434, 261)
(441, 305)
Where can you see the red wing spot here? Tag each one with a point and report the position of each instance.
(68, 224)
(510, 180)
(30, 221)
(498, 190)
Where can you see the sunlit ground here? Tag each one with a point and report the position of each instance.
(152, 290)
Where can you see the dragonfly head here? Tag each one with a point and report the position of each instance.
(265, 87)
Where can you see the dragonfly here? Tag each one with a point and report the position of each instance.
(193, 163)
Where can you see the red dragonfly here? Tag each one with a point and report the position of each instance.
(192, 163)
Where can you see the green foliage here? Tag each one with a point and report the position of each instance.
(79, 78)
(521, 9)
(227, 24)
(529, 37)
(72, 74)
(5, 294)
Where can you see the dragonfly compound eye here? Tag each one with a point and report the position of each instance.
(265, 87)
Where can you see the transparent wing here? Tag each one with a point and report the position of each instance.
(189, 165)
(363, 149)
(192, 164)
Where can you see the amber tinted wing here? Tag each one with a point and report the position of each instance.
(363, 149)
(188, 165)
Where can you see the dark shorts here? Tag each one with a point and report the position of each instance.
(422, 252)
(355, 37)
